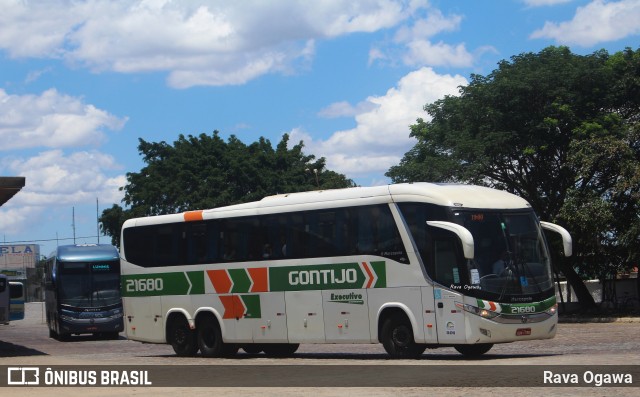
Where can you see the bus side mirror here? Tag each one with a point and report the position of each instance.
(463, 234)
(567, 243)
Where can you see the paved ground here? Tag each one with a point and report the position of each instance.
(593, 344)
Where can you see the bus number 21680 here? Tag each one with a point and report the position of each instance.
(144, 284)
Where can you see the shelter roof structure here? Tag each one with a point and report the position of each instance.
(9, 186)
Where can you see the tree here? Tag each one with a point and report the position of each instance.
(207, 172)
(558, 129)
(111, 221)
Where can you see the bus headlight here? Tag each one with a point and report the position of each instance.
(484, 313)
(116, 313)
(552, 310)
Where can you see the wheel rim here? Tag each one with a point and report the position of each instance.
(180, 336)
(401, 336)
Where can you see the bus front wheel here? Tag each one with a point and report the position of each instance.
(397, 338)
(210, 339)
(181, 337)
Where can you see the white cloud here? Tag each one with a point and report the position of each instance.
(423, 52)
(196, 42)
(414, 45)
(57, 181)
(18, 219)
(55, 177)
(381, 136)
(597, 22)
(51, 120)
(345, 109)
(433, 24)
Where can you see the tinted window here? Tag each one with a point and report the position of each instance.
(369, 230)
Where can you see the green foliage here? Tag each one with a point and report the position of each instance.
(207, 172)
(558, 129)
(111, 221)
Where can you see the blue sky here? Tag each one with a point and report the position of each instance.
(82, 81)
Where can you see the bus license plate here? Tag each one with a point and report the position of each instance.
(523, 331)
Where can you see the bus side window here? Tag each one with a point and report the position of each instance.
(366, 231)
(275, 234)
(296, 245)
(140, 243)
(213, 242)
(377, 233)
(446, 267)
(167, 245)
(196, 244)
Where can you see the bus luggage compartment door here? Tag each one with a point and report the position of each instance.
(305, 317)
(346, 315)
(144, 316)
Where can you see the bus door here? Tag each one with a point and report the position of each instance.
(447, 270)
(429, 315)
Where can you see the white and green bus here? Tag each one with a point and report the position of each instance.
(411, 266)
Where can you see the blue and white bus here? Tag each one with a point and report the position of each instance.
(82, 291)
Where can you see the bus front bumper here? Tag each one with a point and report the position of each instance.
(70, 325)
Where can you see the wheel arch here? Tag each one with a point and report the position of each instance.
(210, 312)
(396, 308)
(175, 313)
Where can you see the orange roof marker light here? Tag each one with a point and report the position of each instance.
(191, 216)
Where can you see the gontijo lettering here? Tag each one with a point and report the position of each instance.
(321, 277)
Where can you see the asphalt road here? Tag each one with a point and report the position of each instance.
(589, 345)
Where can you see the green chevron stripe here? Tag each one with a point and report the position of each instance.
(241, 280)
(252, 302)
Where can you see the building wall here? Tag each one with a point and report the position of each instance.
(16, 259)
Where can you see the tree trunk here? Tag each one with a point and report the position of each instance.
(579, 288)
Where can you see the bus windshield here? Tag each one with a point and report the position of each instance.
(89, 284)
(511, 258)
(511, 262)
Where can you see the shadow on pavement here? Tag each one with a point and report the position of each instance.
(10, 350)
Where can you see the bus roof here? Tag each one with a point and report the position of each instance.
(86, 252)
(449, 195)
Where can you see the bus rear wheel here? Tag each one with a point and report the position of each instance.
(181, 337)
(474, 350)
(397, 338)
(210, 339)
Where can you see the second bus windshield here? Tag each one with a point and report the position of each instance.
(92, 284)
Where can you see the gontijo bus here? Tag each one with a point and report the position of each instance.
(411, 266)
